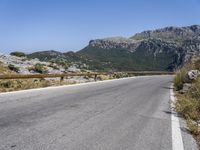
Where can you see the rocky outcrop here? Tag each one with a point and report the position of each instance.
(171, 33)
(186, 88)
(190, 78)
(193, 74)
(115, 43)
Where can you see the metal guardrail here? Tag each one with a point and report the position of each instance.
(29, 76)
(32, 76)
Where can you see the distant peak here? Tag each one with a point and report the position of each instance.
(170, 33)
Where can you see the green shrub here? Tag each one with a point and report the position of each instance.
(179, 79)
(63, 64)
(18, 54)
(13, 68)
(6, 84)
(40, 68)
(54, 66)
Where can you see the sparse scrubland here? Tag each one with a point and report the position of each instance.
(23, 84)
(188, 102)
(18, 63)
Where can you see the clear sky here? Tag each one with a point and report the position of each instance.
(32, 25)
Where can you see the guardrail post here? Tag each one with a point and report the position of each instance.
(61, 79)
(95, 77)
(41, 79)
(110, 75)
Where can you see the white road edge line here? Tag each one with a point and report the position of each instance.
(177, 141)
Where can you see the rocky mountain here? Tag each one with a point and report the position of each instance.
(162, 49)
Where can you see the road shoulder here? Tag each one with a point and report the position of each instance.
(185, 140)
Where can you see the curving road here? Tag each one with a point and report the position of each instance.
(125, 114)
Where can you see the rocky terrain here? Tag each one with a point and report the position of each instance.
(24, 65)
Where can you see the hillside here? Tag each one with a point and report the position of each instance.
(46, 55)
(151, 54)
(162, 49)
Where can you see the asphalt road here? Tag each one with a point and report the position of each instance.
(128, 114)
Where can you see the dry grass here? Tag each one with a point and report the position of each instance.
(4, 70)
(180, 79)
(24, 84)
(187, 106)
(104, 77)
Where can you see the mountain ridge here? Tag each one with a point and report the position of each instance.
(161, 49)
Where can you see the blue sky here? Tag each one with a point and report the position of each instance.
(32, 25)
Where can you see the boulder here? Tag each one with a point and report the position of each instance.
(193, 74)
(186, 87)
